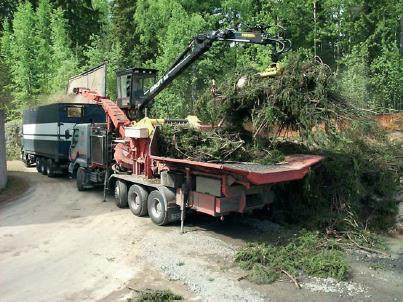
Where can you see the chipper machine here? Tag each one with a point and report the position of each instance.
(123, 153)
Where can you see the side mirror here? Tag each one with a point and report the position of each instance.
(67, 134)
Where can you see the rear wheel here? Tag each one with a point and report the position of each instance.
(121, 194)
(157, 209)
(25, 159)
(38, 165)
(43, 166)
(50, 168)
(137, 200)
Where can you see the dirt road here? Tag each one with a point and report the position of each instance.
(58, 244)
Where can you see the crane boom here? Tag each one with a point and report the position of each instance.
(201, 44)
(131, 81)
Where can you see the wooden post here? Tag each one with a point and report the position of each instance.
(3, 163)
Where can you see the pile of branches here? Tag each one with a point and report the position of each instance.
(217, 145)
(356, 181)
(299, 99)
(353, 189)
(306, 252)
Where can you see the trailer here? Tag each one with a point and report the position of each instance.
(47, 132)
(214, 188)
(175, 186)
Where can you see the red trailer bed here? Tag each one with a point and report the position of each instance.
(293, 168)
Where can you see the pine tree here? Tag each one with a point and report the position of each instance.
(23, 63)
(64, 64)
(83, 21)
(5, 56)
(43, 33)
(7, 8)
(124, 31)
(6, 43)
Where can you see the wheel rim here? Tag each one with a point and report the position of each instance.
(135, 201)
(156, 208)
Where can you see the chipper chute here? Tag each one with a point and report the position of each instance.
(93, 79)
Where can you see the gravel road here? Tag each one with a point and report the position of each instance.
(58, 244)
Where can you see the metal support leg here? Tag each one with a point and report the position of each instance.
(106, 183)
(185, 196)
(183, 209)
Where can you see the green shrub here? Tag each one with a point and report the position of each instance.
(352, 189)
(156, 295)
(13, 139)
(308, 252)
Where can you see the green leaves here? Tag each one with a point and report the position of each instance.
(358, 38)
(63, 62)
(101, 50)
(37, 52)
(307, 252)
(22, 58)
(43, 45)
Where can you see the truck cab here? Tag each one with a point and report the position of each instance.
(89, 154)
(79, 153)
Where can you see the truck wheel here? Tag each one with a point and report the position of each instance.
(121, 194)
(137, 200)
(80, 179)
(24, 158)
(50, 168)
(43, 166)
(38, 165)
(157, 208)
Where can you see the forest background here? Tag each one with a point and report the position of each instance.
(44, 42)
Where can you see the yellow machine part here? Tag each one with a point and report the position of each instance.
(151, 123)
(273, 70)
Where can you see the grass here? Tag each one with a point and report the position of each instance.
(155, 295)
(15, 186)
(307, 252)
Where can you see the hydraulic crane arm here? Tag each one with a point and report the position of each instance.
(202, 43)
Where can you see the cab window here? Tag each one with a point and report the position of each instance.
(74, 111)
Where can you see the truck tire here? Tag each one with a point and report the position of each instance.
(25, 160)
(43, 165)
(137, 200)
(157, 209)
(50, 168)
(121, 194)
(38, 165)
(80, 180)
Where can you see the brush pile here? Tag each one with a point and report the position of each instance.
(306, 252)
(217, 145)
(354, 187)
(299, 99)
